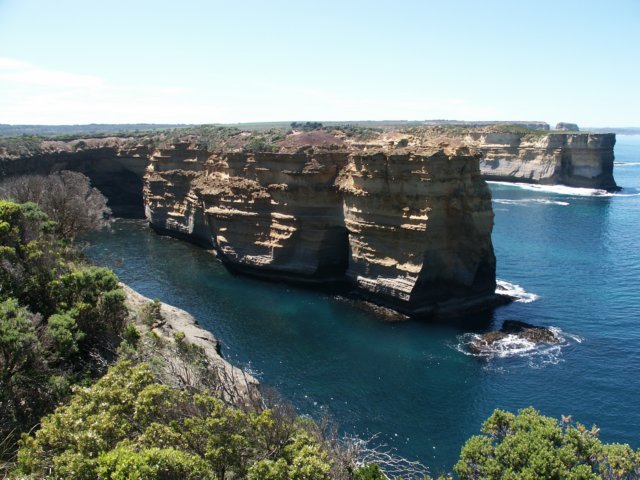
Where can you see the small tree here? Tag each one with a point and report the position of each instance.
(66, 197)
(531, 446)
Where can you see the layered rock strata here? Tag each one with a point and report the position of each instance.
(574, 159)
(403, 227)
(401, 217)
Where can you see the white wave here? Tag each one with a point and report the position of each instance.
(559, 189)
(525, 201)
(632, 192)
(513, 347)
(626, 164)
(511, 289)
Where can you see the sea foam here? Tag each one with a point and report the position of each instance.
(527, 201)
(558, 189)
(534, 355)
(511, 289)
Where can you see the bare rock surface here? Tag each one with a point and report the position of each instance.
(522, 331)
(239, 386)
(401, 218)
(409, 228)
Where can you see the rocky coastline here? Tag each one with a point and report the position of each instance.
(234, 384)
(399, 218)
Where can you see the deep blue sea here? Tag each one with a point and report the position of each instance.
(573, 255)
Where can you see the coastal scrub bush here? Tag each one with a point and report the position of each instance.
(94, 298)
(531, 446)
(66, 197)
(151, 313)
(65, 334)
(60, 320)
(260, 144)
(128, 426)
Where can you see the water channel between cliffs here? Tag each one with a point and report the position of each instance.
(412, 382)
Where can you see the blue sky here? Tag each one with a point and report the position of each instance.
(113, 61)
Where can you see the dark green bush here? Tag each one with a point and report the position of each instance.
(531, 446)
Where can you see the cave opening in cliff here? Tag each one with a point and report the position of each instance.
(123, 190)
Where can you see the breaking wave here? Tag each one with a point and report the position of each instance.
(559, 189)
(626, 164)
(571, 191)
(516, 291)
(525, 201)
(534, 355)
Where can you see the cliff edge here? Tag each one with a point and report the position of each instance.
(408, 228)
(400, 217)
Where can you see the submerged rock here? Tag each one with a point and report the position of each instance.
(513, 330)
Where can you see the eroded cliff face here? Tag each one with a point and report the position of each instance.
(400, 217)
(572, 159)
(419, 228)
(116, 166)
(405, 228)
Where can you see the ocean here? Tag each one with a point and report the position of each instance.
(572, 256)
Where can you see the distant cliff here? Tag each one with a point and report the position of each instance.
(572, 159)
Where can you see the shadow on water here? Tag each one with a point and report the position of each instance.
(323, 354)
(410, 381)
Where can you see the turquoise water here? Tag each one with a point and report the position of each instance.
(576, 255)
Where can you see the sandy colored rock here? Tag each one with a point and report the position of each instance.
(240, 386)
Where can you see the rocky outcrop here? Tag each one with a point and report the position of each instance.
(407, 228)
(233, 384)
(567, 127)
(400, 218)
(512, 334)
(572, 159)
(419, 225)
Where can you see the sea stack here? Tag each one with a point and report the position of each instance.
(403, 227)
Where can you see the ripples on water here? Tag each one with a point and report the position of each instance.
(574, 267)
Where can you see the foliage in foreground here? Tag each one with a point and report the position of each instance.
(60, 324)
(531, 446)
(59, 318)
(68, 199)
(128, 426)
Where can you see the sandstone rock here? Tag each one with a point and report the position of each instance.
(572, 159)
(409, 229)
(237, 386)
(403, 219)
(569, 127)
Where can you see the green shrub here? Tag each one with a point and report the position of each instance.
(64, 332)
(124, 463)
(93, 296)
(127, 426)
(152, 313)
(531, 446)
(131, 335)
(369, 472)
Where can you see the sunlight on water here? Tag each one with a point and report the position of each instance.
(575, 268)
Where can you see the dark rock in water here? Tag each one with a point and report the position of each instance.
(486, 342)
(385, 313)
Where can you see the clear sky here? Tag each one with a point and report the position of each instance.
(114, 61)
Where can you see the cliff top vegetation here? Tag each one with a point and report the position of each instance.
(253, 138)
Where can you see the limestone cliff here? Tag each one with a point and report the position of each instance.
(572, 159)
(408, 228)
(115, 165)
(400, 217)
